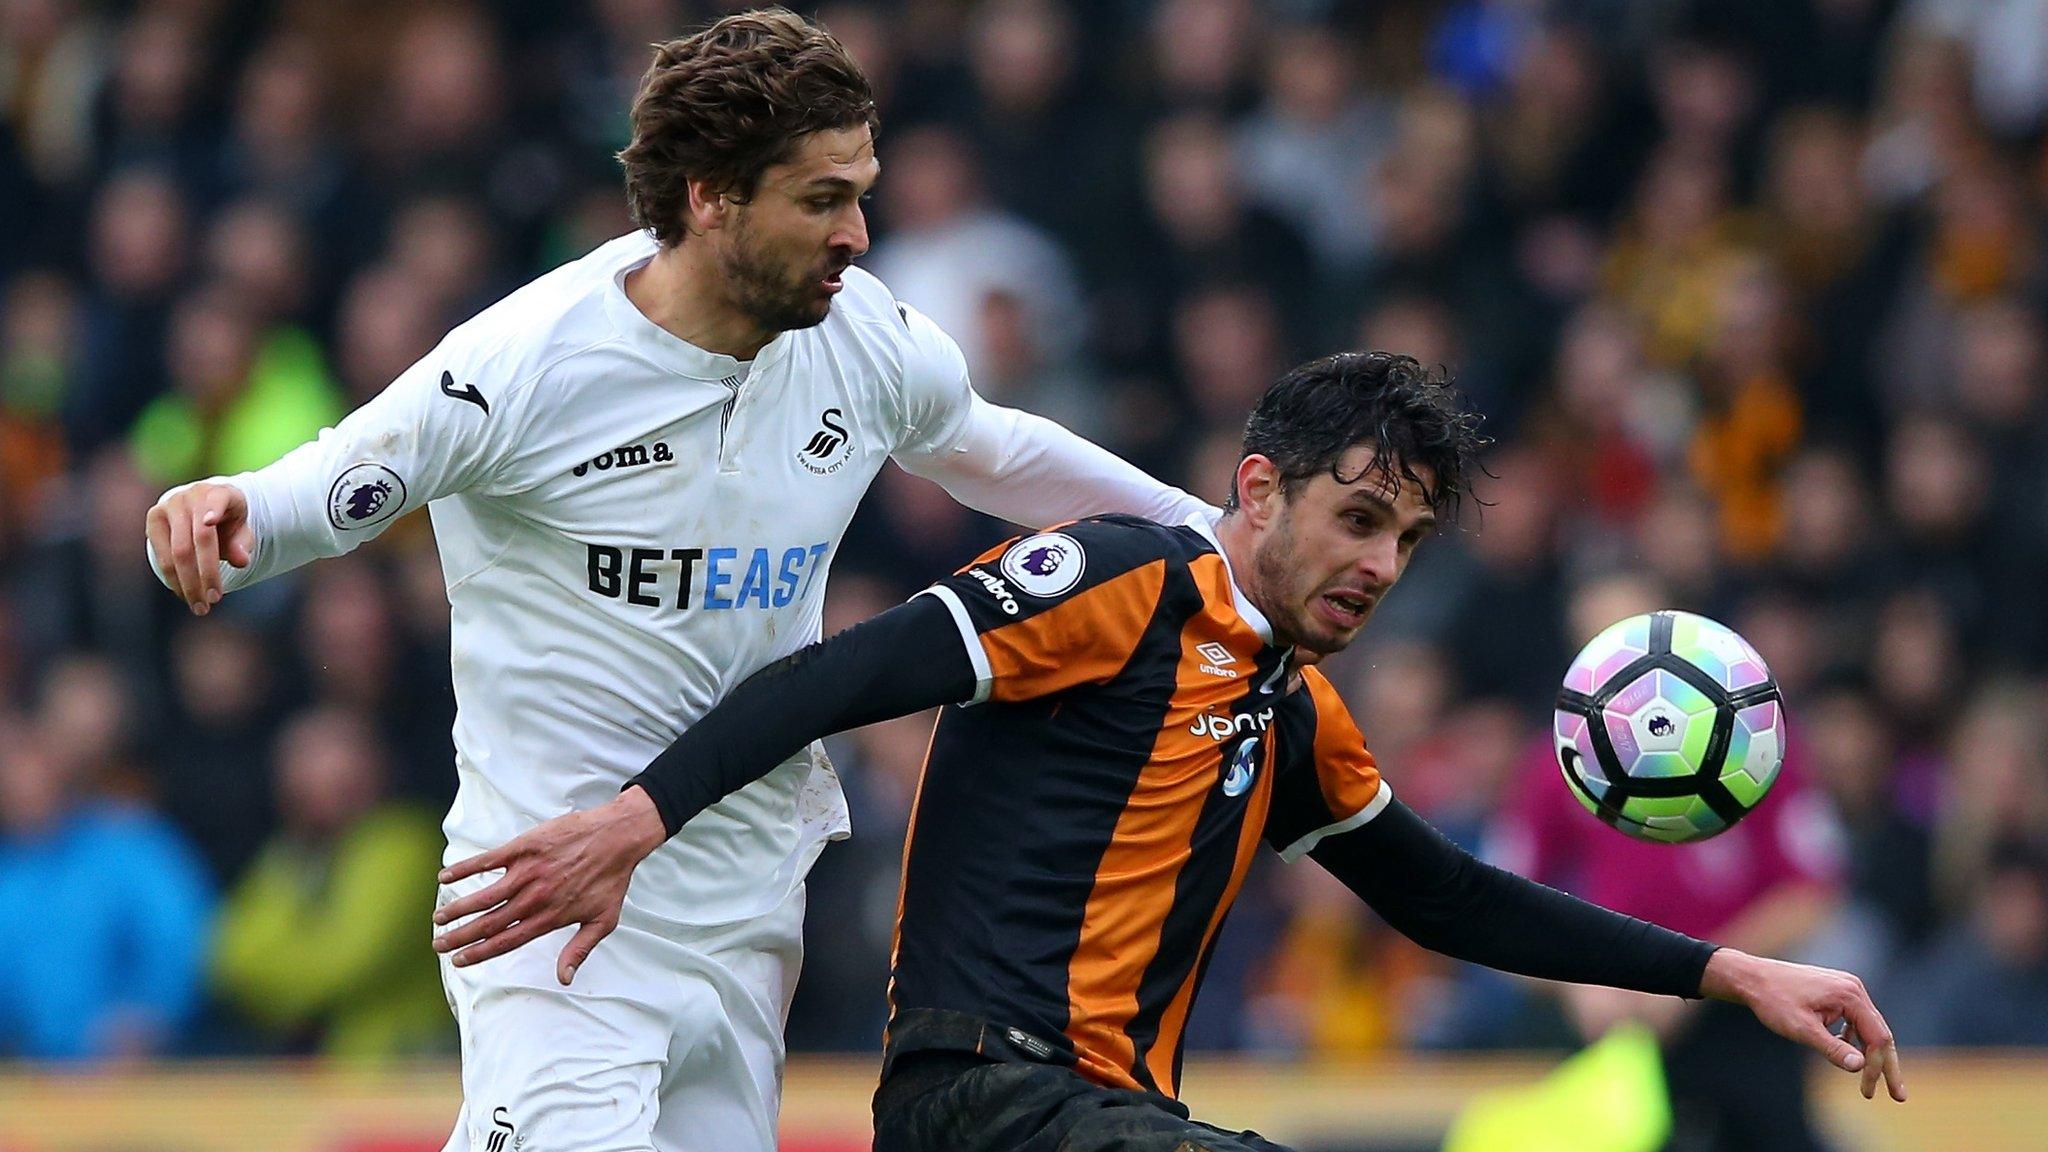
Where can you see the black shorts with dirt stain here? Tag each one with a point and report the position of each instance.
(960, 1102)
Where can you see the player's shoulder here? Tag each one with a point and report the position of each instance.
(1317, 689)
(1111, 543)
(550, 318)
(1136, 534)
(897, 333)
(1122, 564)
(867, 300)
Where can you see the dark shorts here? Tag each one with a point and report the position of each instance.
(1013, 1106)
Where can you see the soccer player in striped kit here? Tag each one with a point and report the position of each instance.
(1132, 726)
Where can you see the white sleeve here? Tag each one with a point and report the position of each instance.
(438, 429)
(1009, 463)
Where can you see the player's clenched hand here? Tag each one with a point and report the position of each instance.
(570, 870)
(190, 530)
(1804, 1003)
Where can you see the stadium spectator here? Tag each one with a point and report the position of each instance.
(213, 762)
(1052, 149)
(312, 948)
(950, 250)
(74, 582)
(1507, 630)
(1888, 907)
(1985, 983)
(1994, 789)
(140, 239)
(238, 398)
(356, 651)
(1310, 152)
(103, 905)
(38, 360)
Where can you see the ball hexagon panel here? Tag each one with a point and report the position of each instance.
(1660, 726)
(1718, 651)
(1673, 820)
(1756, 751)
(1575, 756)
(1612, 650)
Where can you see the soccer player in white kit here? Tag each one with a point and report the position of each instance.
(639, 467)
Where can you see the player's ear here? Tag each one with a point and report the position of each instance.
(708, 208)
(1259, 488)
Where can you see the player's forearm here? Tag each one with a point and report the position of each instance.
(414, 442)
(1032, 471)
(299, 504)
(1451, 902)
(906, 660)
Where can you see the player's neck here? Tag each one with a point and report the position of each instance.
(679, 291)
(1234, 533)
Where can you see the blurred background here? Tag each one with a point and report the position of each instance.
(1751, 291)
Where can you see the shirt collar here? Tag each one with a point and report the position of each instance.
(1205, 522)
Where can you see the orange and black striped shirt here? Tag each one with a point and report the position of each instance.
(1084, 824)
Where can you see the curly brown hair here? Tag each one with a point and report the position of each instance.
(1412, 416)
(731, 101)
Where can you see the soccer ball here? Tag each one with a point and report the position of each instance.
(1669, 727)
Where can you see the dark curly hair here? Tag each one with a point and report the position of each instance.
(1411, 415)
(728, 103)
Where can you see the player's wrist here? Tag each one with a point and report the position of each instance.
(636, 815)
(1731, 975)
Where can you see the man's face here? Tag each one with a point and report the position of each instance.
(782, 251)
(1323, 558)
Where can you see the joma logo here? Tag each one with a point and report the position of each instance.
(630, 456)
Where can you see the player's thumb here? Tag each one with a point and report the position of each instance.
(225, 505)
(1840, 1052)
(579, 949)
(240, 546)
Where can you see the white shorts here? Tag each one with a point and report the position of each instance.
(670, 1040)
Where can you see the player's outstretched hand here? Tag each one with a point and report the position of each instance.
(1807, 1004)
(570, 870)
(191, 531)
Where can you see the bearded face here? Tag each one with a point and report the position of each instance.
(780, 282)
(781, 255)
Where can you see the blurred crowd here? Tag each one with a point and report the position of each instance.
(1752, 292)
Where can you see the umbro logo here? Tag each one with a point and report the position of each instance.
(468, 393)
(1217, 660)
(829, 447)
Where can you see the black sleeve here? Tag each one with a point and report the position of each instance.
(910, 658)
(1449, 901)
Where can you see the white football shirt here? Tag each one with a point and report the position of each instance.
(630, 525)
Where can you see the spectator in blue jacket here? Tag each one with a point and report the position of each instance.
(104, 910)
